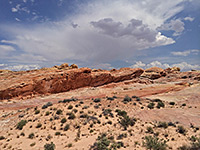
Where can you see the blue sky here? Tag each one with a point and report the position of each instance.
(99, 33)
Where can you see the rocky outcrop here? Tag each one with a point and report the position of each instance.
(48, 81)
(153, 73)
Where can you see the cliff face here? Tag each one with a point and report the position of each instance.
(47, 81)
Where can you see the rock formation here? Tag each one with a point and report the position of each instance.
(59, 79)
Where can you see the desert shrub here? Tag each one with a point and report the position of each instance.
(162, 125)
(171, 124)
(2, 137)
(183, 104)
(126, 121)
(71, 116)
(84, 115)
(153, 143)
(32, 144)
(37, 111)
(63, 120)
(50, 146)
(21, 124)
(97, 100)
(69, 145)
(109, 122)
(160, 104)
(102, 142)
(85, 107)
(31, 136)
(181, 130)
(196, 144)
(127, 99)
(66, 127)
(121, 112)
(47, 105)
(22, 134)
(107, 112)
(69, 100)
(70, 107)
(75, 110)
(172, 103)
(157, 100)
(151, 105)
(39, 125)
(47, 113)
(110, 98)
(149, 130)
(59, 111)
(57, 133)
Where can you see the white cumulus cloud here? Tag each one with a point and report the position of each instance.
(184, 66)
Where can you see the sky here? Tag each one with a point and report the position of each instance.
(102, 34)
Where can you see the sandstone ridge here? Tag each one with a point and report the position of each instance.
(27, 84)
(59, 79)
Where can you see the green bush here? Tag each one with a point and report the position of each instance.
(151, 105)
(59, 112)
(57, 133)
(149, 130)
(37, 111)
(66, 127)
(121, 113)
(160, 104)
(47, 113)
(31, 136)
(126, 121)
(71, 116)
(127, 99)
(21, 124)
(39, 125)
(102, 142)
(63, 120)
(50, 146)
(70, 107)
(153, 143)
(181, 130)
(162, 125)
(32, 144)
(97, 100)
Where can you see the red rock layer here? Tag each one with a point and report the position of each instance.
(48, 81)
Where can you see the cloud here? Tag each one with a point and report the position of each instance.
(116, 32)
(5, 50)
(140, 64)
(21, 67)
(189, 19)
(16, 9)
(185, 53)
(184, 66)
(135, 29)
(174, 25)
